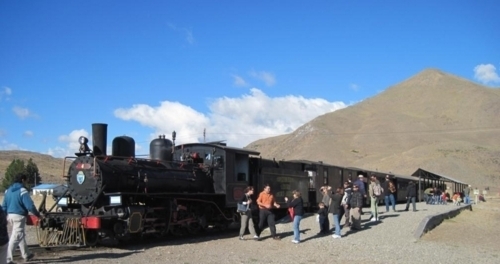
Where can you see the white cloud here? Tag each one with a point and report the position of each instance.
(167, 117)
(238, 120)
(239, 81)
(71, 143)
(188, 34)
(486, 73)
(268, 78)
(6, 145)
(5, 92)
(354, 87)
(28, 133)
(21, 112)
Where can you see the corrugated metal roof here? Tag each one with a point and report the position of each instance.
(234, 149)
(45, 186)
(436, 176)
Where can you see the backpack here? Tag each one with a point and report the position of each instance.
(377, 190)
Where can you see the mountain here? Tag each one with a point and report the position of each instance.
(50, 168)
(433, 120)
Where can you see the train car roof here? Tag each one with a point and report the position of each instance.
(406, 177)
(314, 162)
(434, 176)
(219, 146)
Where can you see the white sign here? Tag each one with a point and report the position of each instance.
(476, 192)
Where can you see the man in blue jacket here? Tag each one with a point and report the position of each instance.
(17, 203)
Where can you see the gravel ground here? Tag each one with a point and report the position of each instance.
(387, 241)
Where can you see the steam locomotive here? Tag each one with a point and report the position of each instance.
(177, 190)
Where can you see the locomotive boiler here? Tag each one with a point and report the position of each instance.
(123, 174)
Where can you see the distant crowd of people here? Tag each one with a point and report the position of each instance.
(435, 195)
(346, 201)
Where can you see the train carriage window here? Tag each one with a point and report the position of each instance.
(241, 176)
(325, 177)
(312, 176)
(218, 162)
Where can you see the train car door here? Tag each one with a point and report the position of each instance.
(312, 187)
(334, 177)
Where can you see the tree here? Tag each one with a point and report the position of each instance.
(32, 173)
(17, 166)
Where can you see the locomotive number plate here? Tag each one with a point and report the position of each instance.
(80, 177)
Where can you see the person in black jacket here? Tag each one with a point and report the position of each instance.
(323, 219)
(4, 236)
(335, 209)
(298, 210)
(356, 204)
(411, 194)
(246, 217)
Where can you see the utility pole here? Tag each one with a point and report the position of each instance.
(204, 135)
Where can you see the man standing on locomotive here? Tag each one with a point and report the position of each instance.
(266, 202)
(17, 203)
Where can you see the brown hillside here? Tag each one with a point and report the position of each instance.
(50, 168)
(433, 120)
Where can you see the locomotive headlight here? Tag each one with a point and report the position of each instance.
(84, 148)
(83, 140)
(115, 200)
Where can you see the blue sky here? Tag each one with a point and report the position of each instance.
(242, 70)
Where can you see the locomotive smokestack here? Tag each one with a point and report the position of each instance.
(99, 137)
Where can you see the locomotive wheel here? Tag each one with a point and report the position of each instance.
(194, 228)
(176, 230)
(91, 237)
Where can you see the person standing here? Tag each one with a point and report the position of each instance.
(266, 202)
(322, 219)
(389, 192)
(428, 195)
(4, 236)
(356, 204)
(246, 217)
(298, 212)
(467, 194)
(346, 199)
(374, 190)
(17, 203)
(335, 210)
(361, 186)
(326, 191)
(411, 194)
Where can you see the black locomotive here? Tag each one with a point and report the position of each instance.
(177, 190)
